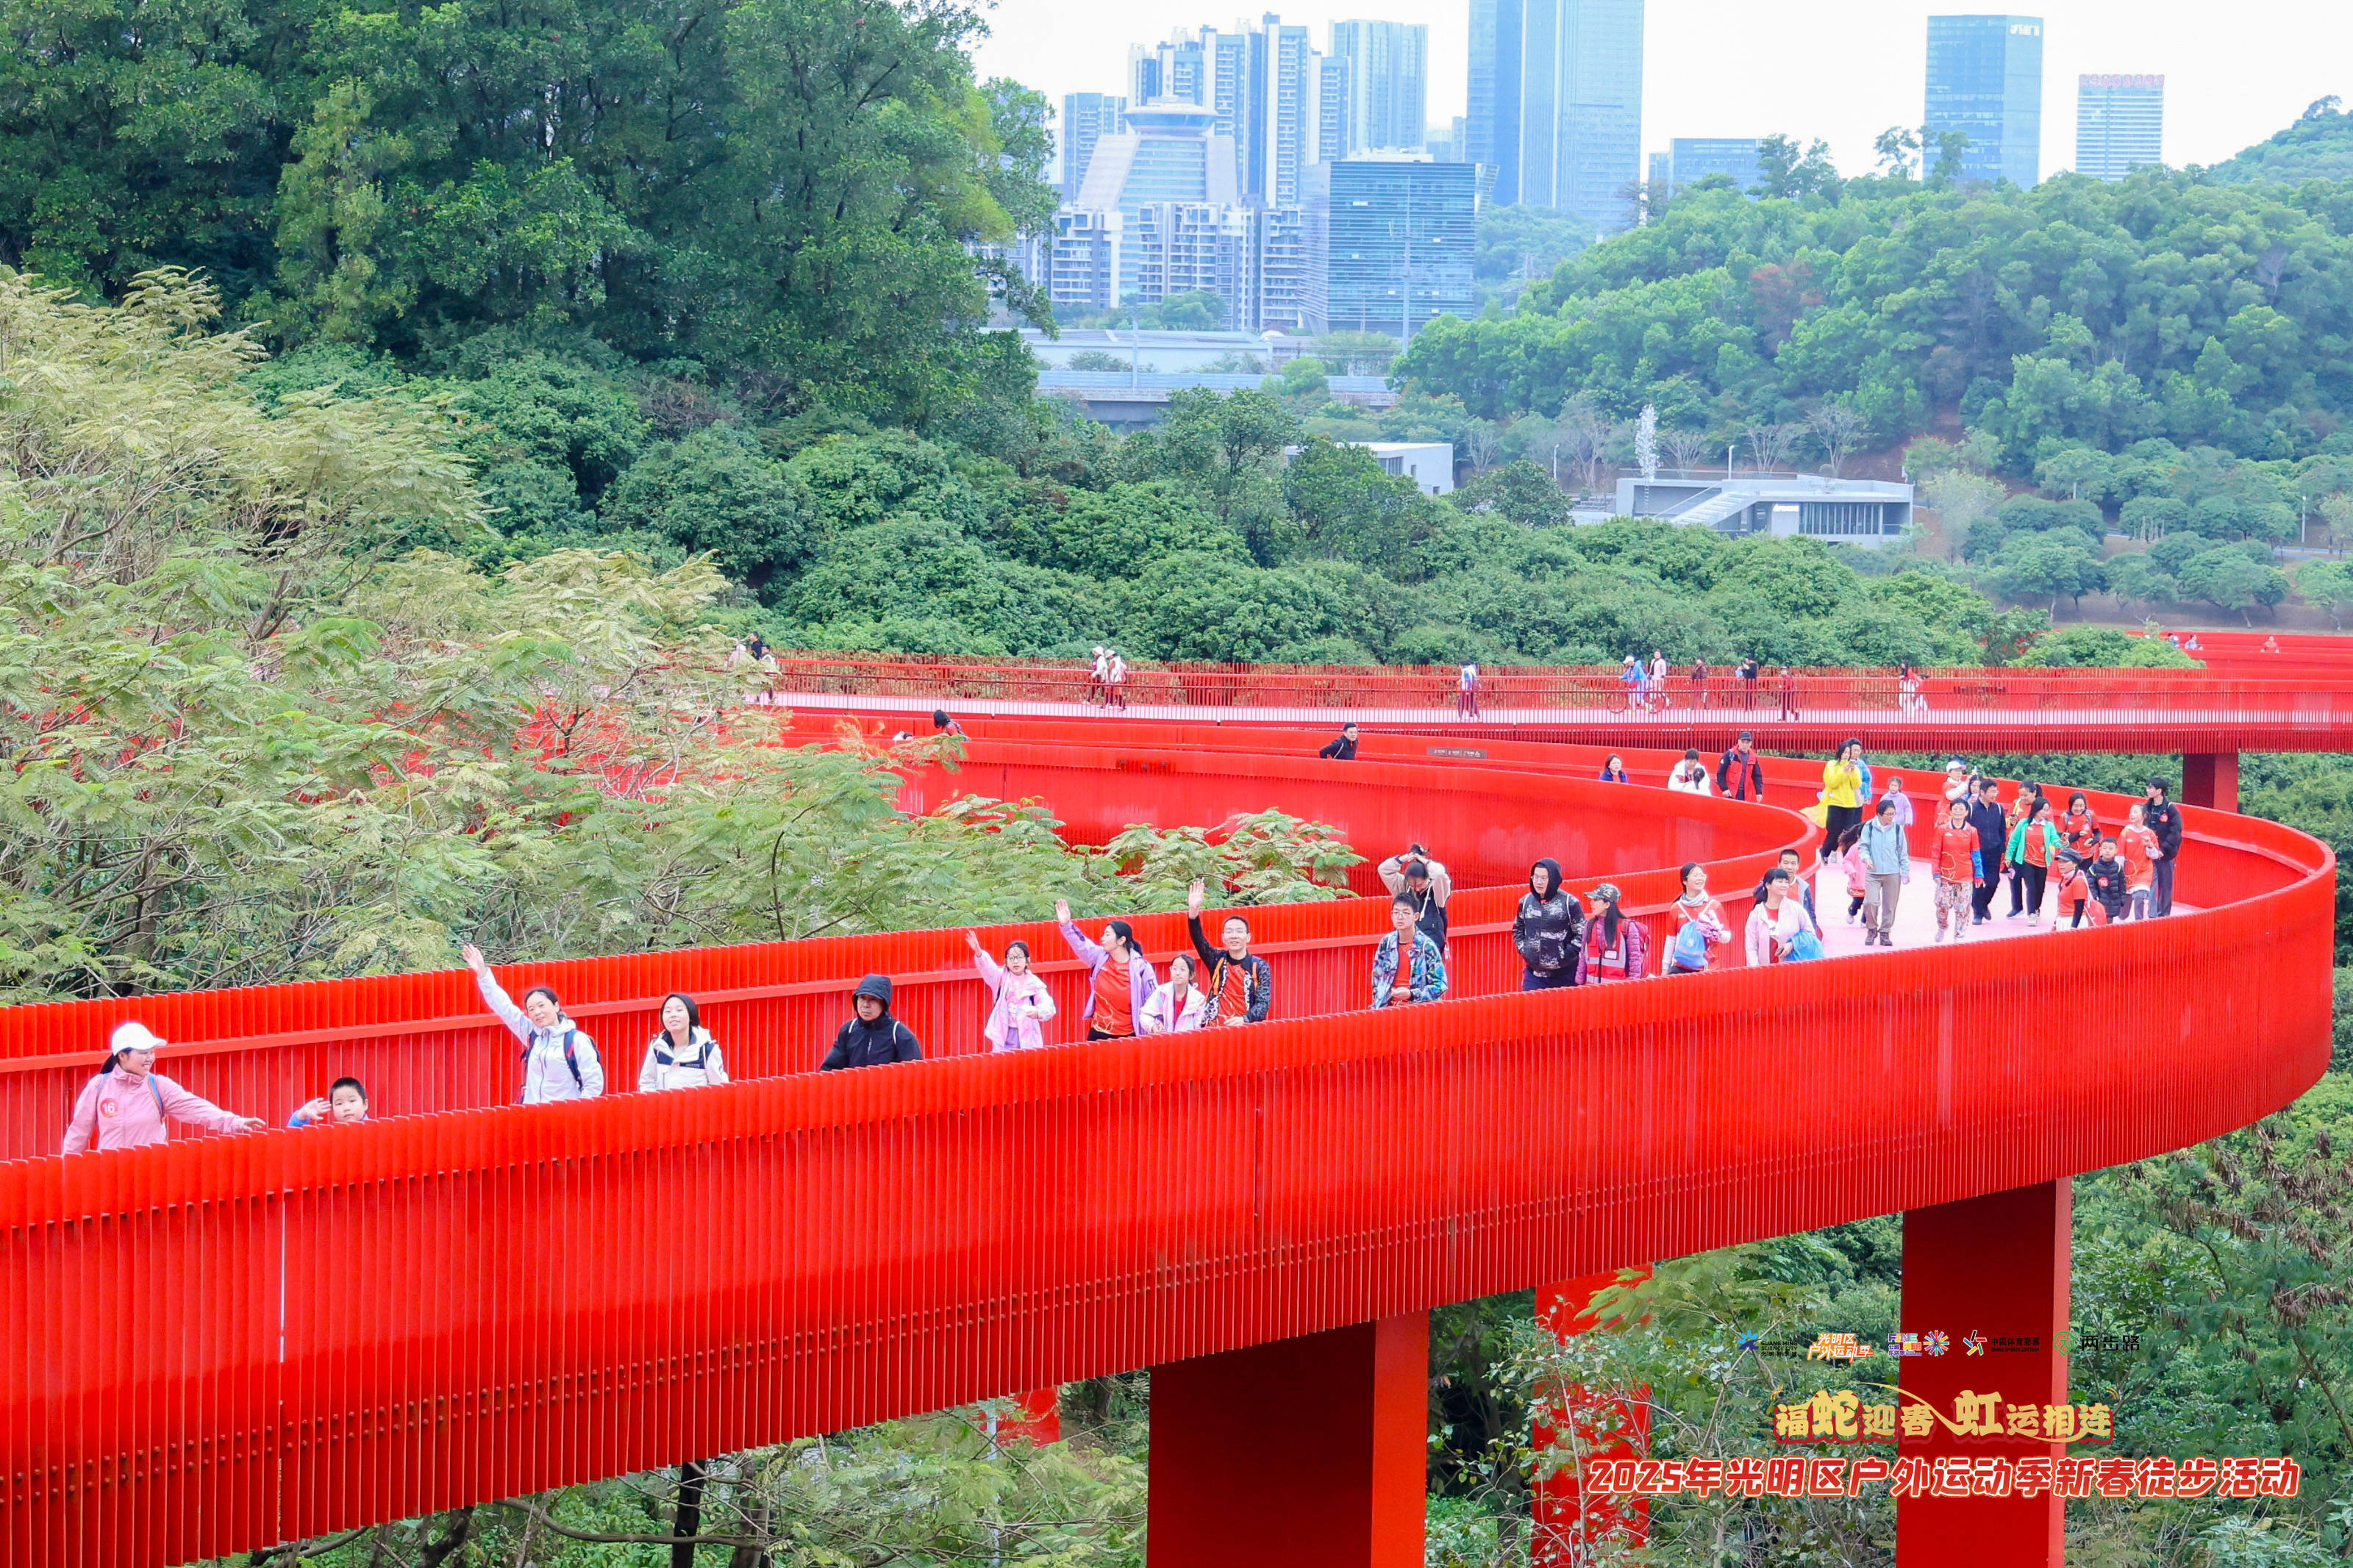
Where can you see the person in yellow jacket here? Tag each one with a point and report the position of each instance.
(1845, 789)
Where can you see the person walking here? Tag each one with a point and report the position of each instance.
(2021, 810)
(1779, 930)
(1099, 678)
(1992, 828)
(2163, 818)
(1690, 775)
(1958, 860)
(2111, 888)
(1907, 692)
(1018, 1002)
(1788, 692)
(1886, 856)
(1739, 772)
(1115, 681)
(1749, 670)
(344, 1102)
(1700, 925)
(1466, 699)
(1957, 785)
(1423, 882)
(1659, 698)
(1699, 682)
(2080, 828)
(872, 1037)
(1617, 947)
(1894, 795)
(560, 1060)
(1341, 747)
(683, 1055)
(1176, 1005)
(2035, 847)
(2138, 846)
(1241, 986)
(1630, 675)
(1120, 979)
(130, 1105)
(1849, 860)
(1406, 965)
(1843, 793)
(1548, 930)
(1613, 770)
(1802, 889)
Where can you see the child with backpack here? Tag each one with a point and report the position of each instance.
(559, 1057)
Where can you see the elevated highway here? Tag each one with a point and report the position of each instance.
(467, 1300)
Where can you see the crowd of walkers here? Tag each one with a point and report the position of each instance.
(2050, 854)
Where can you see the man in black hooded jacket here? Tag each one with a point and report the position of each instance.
(1548, 930)
(873, 1038)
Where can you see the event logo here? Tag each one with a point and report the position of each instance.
(1840, 1416)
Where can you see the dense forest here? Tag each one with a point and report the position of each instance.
(482, 363)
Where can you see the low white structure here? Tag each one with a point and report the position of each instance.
(1429, 464)
(1167, 352)
(1869, 513)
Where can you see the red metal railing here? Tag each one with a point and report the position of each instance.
(1984, 709)
(220, 1343)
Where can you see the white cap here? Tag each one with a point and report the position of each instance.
(133, 1038)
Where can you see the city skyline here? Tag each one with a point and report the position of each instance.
(1728, 69)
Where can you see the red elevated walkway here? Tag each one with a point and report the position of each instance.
(1970, 711)
(469, 1299)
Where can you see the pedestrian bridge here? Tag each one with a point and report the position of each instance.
(227, 1342)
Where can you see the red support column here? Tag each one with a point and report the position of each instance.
(1307, 1453)
(1991, 1270)
(2210, 779)
(1035, 1417)
(1566, 1527)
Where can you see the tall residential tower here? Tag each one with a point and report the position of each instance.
(1556, 99)
(2120, 124)
(1985, 80)
(1387, 83)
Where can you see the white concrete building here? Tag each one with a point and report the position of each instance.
(1869, 513)
(1429, 464)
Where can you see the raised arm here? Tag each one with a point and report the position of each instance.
(495, 995)
(1089, 951)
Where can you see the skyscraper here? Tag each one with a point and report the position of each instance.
(2120, 124)
(1985, 80)
(1555, 90)
(1690, 159)
(1332, 143)
(1087, 118)
(1388, 68)
(1389, 243)
(1278, 136)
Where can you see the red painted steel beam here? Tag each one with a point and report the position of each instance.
(1307, 1452)
(2210, 779)
(939, 1233)
(1990, 1270)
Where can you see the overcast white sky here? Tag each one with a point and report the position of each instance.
(1841, 69)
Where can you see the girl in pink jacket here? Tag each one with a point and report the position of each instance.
(128, 1103)
(1019, 1000)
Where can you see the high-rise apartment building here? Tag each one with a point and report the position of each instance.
(1262, 84)
(1087, 118)
(2120, 124)
(1449, 143)
(1556, 101)
(1332, 142)
(1387, 84)
(1390, 243)
(1985, 80)
(1690, 159)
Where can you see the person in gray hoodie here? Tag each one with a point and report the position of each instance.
(873, 1038)
(1548, 930)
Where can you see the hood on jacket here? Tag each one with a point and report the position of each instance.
(877, 986)
(1547, 868)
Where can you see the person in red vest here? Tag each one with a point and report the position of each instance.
(1958, 858)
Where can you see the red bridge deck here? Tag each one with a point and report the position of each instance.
(468, 1300)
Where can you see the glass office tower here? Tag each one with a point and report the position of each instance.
(1985, 80)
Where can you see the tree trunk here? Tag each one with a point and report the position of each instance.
(687, 1523)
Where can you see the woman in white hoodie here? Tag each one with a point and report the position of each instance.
(683, 1056)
